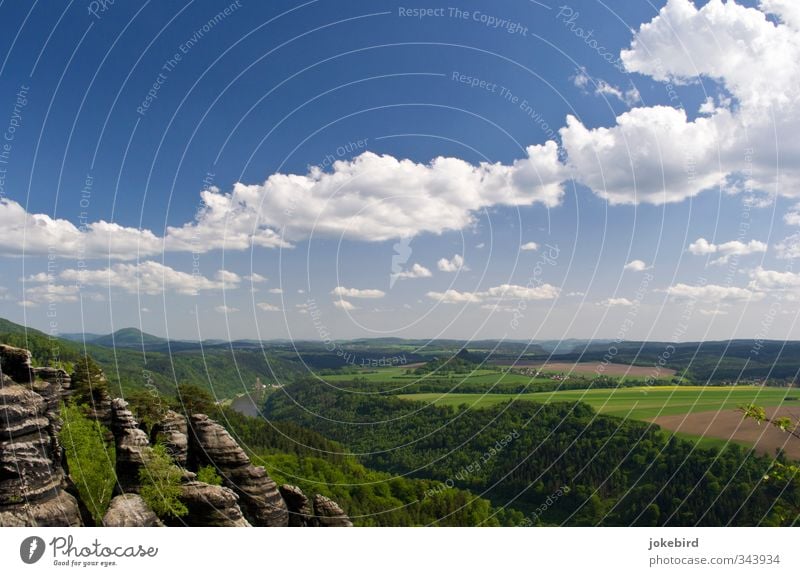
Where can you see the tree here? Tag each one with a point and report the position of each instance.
(160, 481)
(208, 474)
(192, 399)
(89, 384)
(90, 460)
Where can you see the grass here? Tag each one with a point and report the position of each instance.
(640, 403)
(489, 377)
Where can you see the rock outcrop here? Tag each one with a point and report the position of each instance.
(258, 494)
(130, 510)
(173, 432)
(329, 514)
(131, 444)
(298, 504)
(211, 506)
(35, 490)
(31, 475)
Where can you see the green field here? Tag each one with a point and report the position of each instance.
(640, 403)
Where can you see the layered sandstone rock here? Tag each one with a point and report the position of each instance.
(259, 498)
(298, 504)
(173, 432)
(131, 444)
(31, 476)
(211, 506)
(329, 514)
(130, 510)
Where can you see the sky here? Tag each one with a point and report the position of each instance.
(335, 170)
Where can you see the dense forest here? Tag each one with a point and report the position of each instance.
(618, 472)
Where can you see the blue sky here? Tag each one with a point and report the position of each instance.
(516, 170)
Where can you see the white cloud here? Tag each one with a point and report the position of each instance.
(497, 293)
(636, 266)
(343, 292)
(702, 247)
(582, 80)
(767, 280)
(789, 247)
(615, 302)
(716, 312)
(453, 265)
(52, 293)
(712, 292)
(256, 278)
(416, 271)
(275, 291)
(529, 246)
(512, 291)
(147, 277)
(227, 277)
(223, 309)
(755, 60)
(344, 305)
(454, 297)
(267, 307)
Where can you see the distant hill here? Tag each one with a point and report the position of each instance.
(129, 338)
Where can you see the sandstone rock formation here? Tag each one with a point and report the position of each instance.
(173, 432)
(34, 490)
(211, 505)
(131, 444)
(329, 514)
(259, 497)
(298, 504)
(130, 510)
(31, 476)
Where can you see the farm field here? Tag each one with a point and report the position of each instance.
(729, 425)
(640, 403)
(598, 369)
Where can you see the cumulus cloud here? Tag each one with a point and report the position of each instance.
(147, 277)
(344, 305)
(416, 271)
(615, 302)
(712, 292)
(453, 265)
(702, 247)
(529, 247)
(767, 280)
(343, 292)
(256, 278)
(275, 291)
(497, 293)
(267, 307)
(583, 81)
(223, 309)
(757, 62)
(454, 297)
(789, 247)
(636, 266)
